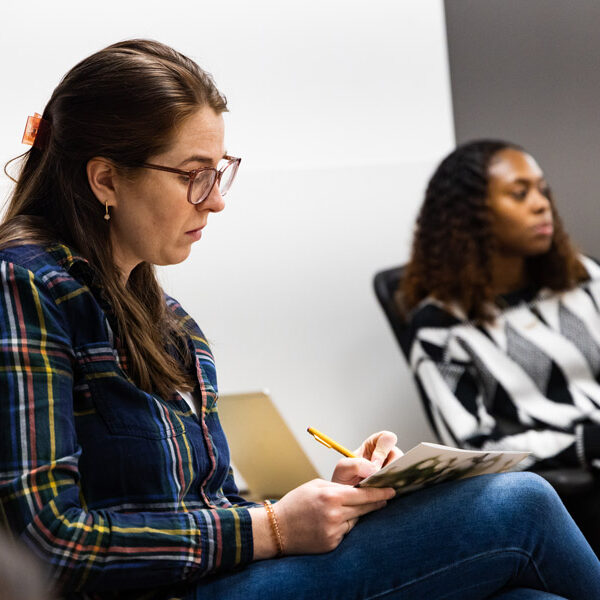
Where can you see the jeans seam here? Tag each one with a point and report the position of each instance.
(464, 561)
(537, 572)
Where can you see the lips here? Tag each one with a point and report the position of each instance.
(195, 234)
(546, 228)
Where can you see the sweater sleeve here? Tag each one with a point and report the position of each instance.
(472, 410)
(40, 499)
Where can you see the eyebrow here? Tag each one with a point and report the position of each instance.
(525, 181)
(199, 158)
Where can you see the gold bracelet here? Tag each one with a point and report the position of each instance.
(274, 527)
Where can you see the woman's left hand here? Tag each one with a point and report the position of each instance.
(375, 452)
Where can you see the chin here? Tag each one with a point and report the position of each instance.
(173, 258)
(539, 249)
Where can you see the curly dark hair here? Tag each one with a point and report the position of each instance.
(453, 241)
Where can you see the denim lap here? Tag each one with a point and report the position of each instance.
(463, 540)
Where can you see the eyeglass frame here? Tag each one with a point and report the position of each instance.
(231, 160)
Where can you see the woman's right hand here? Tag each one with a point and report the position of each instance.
(315, 516)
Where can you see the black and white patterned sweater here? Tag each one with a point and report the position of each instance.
(529, 381)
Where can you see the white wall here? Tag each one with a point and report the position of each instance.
(340, 110)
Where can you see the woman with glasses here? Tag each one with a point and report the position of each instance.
(114, 469)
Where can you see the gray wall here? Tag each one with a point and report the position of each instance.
(529, 71)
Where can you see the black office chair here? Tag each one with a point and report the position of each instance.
(568, 482)
(386, 285)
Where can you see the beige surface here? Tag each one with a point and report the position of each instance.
(263, 449)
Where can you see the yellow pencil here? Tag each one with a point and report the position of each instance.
(327, 441)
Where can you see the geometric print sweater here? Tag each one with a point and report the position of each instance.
(527, 381)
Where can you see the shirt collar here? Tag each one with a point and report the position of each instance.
(73, 262)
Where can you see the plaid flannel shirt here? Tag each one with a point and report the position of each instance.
(114, 488)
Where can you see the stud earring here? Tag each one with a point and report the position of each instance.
(106, 215)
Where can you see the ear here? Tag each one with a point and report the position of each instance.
(102, 175)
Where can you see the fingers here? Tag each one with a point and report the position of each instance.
(349, 471)
(348, 525)
(353, 514)
(376, 451)
(315, 516)
(395, 453)
(363, 509)
(384, 444)
(358, 496)
(377, 447)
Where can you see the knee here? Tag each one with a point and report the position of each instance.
(522, 496)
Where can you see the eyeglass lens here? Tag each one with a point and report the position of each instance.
(204, 181)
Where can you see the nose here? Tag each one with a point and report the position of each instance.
(214, 201)
(539, 202)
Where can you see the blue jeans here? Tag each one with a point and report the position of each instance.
(502, 537)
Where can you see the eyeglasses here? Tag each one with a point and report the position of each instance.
(202, 181)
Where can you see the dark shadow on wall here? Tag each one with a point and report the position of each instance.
(529, 72)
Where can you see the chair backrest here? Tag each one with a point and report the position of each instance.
(386, 284)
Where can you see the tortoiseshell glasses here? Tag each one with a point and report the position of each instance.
(202, 181)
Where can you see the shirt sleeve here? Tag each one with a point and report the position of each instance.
(87, 550)
(232, 493)
(464, 407)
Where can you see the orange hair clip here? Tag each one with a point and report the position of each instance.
(36, 131)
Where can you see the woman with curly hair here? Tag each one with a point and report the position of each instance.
(504, 317)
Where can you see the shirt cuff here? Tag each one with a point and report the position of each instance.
(225, 538)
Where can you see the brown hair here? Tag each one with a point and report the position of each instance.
(122, 103)
(453, 241)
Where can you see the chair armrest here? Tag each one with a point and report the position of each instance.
(568, 482)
